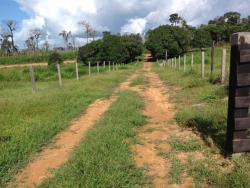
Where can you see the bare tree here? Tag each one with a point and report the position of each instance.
(10, 28)
(66, 36)
(86, 27)
(36, 34)
(31, 44)
(46, 46)
(92, 33)
(6, 45)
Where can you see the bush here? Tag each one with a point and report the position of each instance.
(54, 58)
(114, 48)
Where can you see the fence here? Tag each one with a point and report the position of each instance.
(238, 124)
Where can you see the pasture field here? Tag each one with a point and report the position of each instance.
(29, 121)
(36, 58)
(202, 106)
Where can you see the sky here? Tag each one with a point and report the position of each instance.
(117, 16)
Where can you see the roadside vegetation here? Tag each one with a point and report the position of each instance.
(29, 122)
(104, 159)
(202, 106)
(34, 58)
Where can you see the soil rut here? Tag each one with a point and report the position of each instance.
(64, 143)
(156, 133)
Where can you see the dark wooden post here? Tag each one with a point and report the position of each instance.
(238, 126)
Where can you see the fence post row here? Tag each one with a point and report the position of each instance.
(32, 76)
(238, 124)
(59, 74)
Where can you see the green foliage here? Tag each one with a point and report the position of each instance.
(34, 58)
(202, 38)
(54, 59)
(175, 40)
(114, 48)
(104, 159)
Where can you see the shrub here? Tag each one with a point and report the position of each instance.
(54, 58)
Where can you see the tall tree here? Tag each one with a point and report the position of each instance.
(36, 34)
(87, 28)
(10, 28)
(175, 19)
(232, 17)
(92, 34)
(66, 35)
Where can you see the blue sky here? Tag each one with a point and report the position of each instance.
(118, 16)
(11, 10)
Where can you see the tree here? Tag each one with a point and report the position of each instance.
(175, 19)
(66, 36)
(6, 45)
(232, 17)
(202, 38)
(35, 35)
(10, 28)
(175, 40)
(46, 46)
(92, 33)
(54, 58)
(87, 28)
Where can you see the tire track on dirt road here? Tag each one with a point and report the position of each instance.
(64, 143)
(155, 134)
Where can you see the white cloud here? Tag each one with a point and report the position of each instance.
(136, 26)
(133, 16)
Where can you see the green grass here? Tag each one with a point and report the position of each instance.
(140, 80)
(29, 121)
(37, 58)
(104, 158)
(202, 105)
(49, 73)
(184, 145)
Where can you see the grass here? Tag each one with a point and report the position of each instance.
(184, 145)
(104, 158)
(41, 57)
(140, 80)
(45, 74)
(28, 122)
(202, 105)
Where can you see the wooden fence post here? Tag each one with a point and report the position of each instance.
(98, 67)
(179, 62)
(89, 69)
(238, 124)
(212, 58)
(109, 66)
(77, 73)
(192, 61)
(175, 63)
(59, 74)
(223, 65)
(33, 81)
(113, 66)
(202, 63)
(104, 65)
(116, 67)
(185, 63)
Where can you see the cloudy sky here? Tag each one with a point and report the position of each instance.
(117, 16)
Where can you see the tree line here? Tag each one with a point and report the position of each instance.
(178, 37)
(35, 36)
